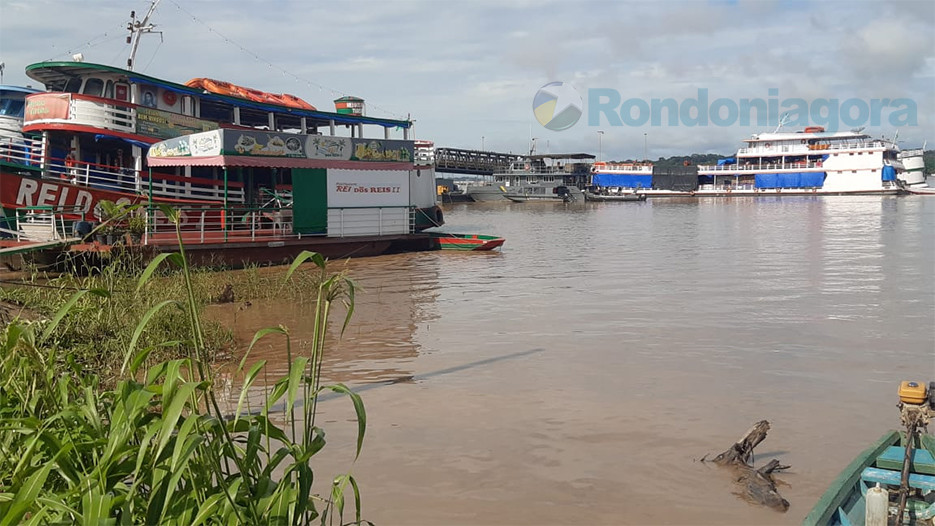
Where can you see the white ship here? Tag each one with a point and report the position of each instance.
(807, 162)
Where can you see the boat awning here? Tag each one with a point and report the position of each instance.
(255, 148)
(101, 137)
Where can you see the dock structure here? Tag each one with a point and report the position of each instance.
(472, 162)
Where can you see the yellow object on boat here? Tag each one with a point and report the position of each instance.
(912, 392)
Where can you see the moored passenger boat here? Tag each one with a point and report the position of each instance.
(612, 181)
(807, 162)
(811, 161)
(546, 177)
(89, 135)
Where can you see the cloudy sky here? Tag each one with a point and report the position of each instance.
(467, 71)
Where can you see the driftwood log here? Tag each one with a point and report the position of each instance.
(757, 485)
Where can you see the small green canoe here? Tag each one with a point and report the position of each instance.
(844, 503)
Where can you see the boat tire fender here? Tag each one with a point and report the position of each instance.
(439, 217)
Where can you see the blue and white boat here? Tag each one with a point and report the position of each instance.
(805, 162)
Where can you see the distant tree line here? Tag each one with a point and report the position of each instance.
(679, 160)
(929, 157)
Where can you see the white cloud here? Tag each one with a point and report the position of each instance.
(467, 70)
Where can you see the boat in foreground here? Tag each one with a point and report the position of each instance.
(895, 477)
(465, 242)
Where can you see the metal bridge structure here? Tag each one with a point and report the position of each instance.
(473, 162)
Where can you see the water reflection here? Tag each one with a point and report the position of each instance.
(394, 299)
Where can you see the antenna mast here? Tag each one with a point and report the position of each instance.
(783, 119)
(137, 28)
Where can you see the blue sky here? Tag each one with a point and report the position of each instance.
(467, 71)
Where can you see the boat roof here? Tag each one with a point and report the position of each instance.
(55, 75)
(560, 156)
(19, 89)
(795, 136)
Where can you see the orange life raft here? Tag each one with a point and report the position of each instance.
(232, 90)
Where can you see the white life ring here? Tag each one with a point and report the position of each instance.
(527, 167)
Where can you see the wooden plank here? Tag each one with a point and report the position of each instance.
(33, 247)
(892, 458)
(846, 482)
(893, 478)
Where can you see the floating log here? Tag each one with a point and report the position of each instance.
(758, 484)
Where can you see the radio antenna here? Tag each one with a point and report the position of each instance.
(137, 28)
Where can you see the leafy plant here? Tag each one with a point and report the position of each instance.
(157, 449)
(136, 225)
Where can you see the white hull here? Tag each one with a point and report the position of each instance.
(914, 166)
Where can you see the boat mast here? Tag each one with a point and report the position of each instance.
(137, 28)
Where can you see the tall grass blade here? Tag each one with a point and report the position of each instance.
(26, 496)
(359, 409)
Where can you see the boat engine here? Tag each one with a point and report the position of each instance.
(916, 404)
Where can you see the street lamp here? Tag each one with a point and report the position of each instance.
(600, 145)
(481, 143)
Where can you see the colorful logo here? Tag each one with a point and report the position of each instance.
(557, 106)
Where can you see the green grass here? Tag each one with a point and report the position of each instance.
(156, 448)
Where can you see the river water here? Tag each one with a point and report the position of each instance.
(577, 376)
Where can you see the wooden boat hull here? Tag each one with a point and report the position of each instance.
(588, 196)
(467, 242)
(844, 503)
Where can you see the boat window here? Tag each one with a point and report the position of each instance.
(94, 87)
(109, 89)
(73, 85)
(13, 107)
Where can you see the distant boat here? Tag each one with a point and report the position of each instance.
(811, 161)
(466, 242)
(12, 110)
(533, 192)
(546, 177)
(628, 196)
(871, 486)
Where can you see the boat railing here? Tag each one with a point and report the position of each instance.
(203, 224)
(128, 180)
(72, 108)
(182, 187)
(915, 152)
(804, 148)
(362, 221)
(102, 114)
(46, 223)
(755, 167)
(22, 150)
(218, 224)
(108, 114)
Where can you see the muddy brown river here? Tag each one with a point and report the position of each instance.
(577, 376)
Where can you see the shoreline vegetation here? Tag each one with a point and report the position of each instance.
(110, 413)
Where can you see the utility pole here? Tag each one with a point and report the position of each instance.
(644, 148)
(600, 145)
